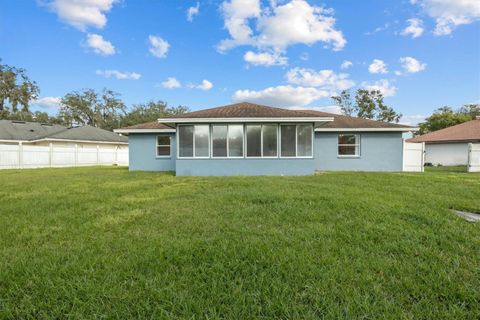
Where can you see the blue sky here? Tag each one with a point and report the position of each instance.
(423, 54)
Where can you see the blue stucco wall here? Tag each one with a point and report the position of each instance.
(379, 151)
(244, 167)
(142, 153)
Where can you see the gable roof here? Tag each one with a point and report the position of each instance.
(464, 132)
(34, 131)
(26, 131)
(240, 112)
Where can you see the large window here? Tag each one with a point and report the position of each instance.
(163, 146)
(259, 141)
(348, 145)
(194, 141)
(296, 141)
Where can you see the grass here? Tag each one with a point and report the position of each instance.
(447, 169)
(108, 243)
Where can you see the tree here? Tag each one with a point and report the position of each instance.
(103, 110)
(445, 117)
(470, 109)
(368, 104)
(16, 89)
(151, 111)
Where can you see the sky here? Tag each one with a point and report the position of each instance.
(422, 54)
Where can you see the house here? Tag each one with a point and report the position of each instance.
(31, 145)
(449, 146)
(252, 139)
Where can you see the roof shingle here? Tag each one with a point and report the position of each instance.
(467, 131)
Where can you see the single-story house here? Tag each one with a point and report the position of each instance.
(252, 139)
(33, 145)
(35, 133)
(449, 146)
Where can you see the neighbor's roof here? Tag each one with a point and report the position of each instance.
(26, 131)
(464, 132)
(33, 131)
(324, 121)
(87, 133)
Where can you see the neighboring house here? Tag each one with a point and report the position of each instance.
(34, 145)
(35, 133)
(449, 146)
(251, 139)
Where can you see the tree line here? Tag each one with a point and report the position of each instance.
(105, 109)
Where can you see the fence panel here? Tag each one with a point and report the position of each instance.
(9, 156)
(413, 156)
(13, 156)
(474, 157)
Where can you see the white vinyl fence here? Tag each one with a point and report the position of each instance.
(413, 156)
(474, 157)
(15, 156)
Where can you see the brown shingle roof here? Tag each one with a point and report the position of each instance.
(467, 131)
(251, 110)
(247, 110)
(149, 125)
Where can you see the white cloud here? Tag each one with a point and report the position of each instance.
(383, 86)
(414, 28)
(377, 66)
(171, 83)
(265, 58)
(413, 120)
(346, 64)
(82, 13)
(378, 29)
(99, 45)
(193, 11)
(330, 109)
(326, 80)
(205, 85)
(412, 65)
(282, 96)
(304, 56)
(158, 46)
(48, 102)
(119, 74)
(449, 14)
(278, 26)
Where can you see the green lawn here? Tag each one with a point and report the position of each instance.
(108, 243)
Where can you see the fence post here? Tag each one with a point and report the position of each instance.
(50, 154)
(98, 158)
(469, 161)
(76, 155)
(423, 156)
(20, 154)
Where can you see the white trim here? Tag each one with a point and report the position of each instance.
(144, 130)
(402, 129)
(244, 120)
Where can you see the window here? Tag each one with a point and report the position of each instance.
(194, 141)
(296, 141)
(304, 140)
(202, 140)
(254, 140)
(185, 141)
(163, 146)
(235, 140)
(348, 145)
(219, 140)
(269, 140)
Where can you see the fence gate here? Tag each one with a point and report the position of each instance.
(413, 156)
(474, 157)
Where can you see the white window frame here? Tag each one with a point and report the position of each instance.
(296, 156)
(193, 153)
(356, 145)
(163, 145)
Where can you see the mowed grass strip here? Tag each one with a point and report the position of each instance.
(108, 243)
